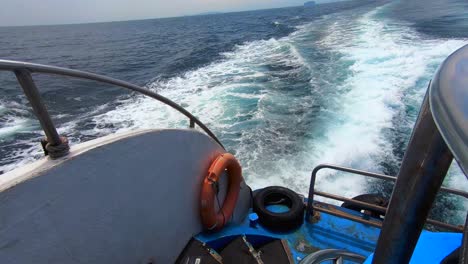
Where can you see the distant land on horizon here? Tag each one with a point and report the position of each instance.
(306, 4)
(209, 13)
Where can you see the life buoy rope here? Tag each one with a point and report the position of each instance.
(211, 219)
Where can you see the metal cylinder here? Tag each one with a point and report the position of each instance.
(425, 164)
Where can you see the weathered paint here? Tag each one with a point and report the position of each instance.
(327, 232)
(333, 232)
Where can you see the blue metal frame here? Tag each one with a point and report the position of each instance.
(328, 232)
(333, 232)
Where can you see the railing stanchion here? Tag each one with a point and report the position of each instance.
(55, 146)
(32, 94)
(310, 198)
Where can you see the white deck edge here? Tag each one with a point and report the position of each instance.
(31, 170)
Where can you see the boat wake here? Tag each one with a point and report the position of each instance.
(344, 89)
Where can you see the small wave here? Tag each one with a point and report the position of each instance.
(14, 118)
(13, 126)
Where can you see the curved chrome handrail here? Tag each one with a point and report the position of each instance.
(335, 255)
(23, 72)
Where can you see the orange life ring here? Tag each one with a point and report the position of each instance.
(210, 219)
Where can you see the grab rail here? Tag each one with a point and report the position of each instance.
(310, 208)
(24, 70)
(337, 256)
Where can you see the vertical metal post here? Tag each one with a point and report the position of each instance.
(339, 260)
(421, 174)
(464, 249)
(192, 123)
(310, 199)
(30, 90)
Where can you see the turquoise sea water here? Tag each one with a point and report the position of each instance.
(284, 89)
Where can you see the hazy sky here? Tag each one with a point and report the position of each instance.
(39, 12)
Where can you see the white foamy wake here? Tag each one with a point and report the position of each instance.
(388, 61)
(230, 96)
(203, 91)
(238, 97)
(353, 72)
(15, 120)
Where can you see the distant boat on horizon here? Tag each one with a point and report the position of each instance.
(309, 3)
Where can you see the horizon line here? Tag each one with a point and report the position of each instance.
(207, 13)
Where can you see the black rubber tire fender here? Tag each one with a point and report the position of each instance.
(283, 222)
(372, 198)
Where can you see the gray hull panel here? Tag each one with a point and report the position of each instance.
(134, 200)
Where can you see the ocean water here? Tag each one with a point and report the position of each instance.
(284, 89)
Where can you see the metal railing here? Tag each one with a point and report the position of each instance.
(310, 207)
(337, 256)
(24, 71)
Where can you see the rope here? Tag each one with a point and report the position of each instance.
(216, 188)
(56, 151)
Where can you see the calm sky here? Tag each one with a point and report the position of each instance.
(40, 12)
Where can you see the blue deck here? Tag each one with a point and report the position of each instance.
(330, 231)
(432, 247)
